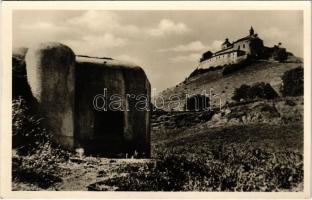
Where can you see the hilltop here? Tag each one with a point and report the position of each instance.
(222, 81)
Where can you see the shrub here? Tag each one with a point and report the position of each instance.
(206, 56)
(197, 102)
(232, 169)
(258, 90)
(27, 127)
(241, 93)
(231, 68)
(293, 82)
(41, 167)
(36, 159)
(197, 72)
(262, 90)
(280, 54)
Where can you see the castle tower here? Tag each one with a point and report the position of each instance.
(251, 31)
(225, 44)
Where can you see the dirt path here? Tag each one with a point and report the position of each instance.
(79, 174)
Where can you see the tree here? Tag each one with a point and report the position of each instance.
(258, 90)
(293, 82)
(280, 54)
(206, 56)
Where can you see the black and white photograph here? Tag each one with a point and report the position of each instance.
(158, 100)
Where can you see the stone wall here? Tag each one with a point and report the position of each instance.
(221, 60)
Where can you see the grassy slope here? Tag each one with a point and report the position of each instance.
(272, 138)
(269, 72)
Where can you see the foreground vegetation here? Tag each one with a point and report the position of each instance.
(238, 158)
(233, 169)
(35, 158)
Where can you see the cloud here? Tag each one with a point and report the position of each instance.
(99, 21)
(194, 46)
(95, 45)
(28, 34)
(193, 57)
(96, 25)
(273, 35)
(128, 58)
(214, 46)
(40, 26)
(166, 27)
(274, 32)
(97, 28)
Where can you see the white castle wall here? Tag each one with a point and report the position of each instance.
(243, 46)
(220, 60)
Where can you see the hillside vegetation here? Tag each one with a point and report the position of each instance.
(224, 85)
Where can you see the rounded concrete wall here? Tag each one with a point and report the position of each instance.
(51, 75)
(111, 132)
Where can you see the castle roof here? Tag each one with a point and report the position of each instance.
(223, 50)
(239, 40)
(247, 38)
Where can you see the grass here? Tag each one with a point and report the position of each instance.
(238, 158)
(247, 169)
(272, 138)
(225, 85)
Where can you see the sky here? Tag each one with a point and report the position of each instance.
(166, 44)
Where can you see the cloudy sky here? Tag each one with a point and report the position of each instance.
(167, 44)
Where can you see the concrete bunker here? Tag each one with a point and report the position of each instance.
(106, 101)
(66, 87)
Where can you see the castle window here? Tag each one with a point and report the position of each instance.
(243, 45)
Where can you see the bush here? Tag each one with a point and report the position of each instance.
(206, 56)
(27, 127)
(241, 93)
(40, 168)
(230, 169)
(258, 90)
(280, 54)
(36, 159)
(231, 68)
(197, 102)
(293, 82)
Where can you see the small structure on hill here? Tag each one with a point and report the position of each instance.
(250, 46)
(98, 104)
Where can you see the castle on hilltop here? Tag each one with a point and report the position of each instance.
(250, 46)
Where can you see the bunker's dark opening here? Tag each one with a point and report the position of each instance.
(108, 123)
(108, 135)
